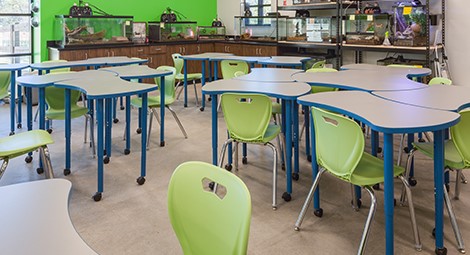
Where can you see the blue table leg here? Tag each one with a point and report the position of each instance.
(210, 70)
(439, 189)
(214, 129)
(185, 84)
(203, 82)
(388, 192)
(162, 111)
(288, 128)
(216, 70)
(108, 123)
(68, 132)
(316, 195)
(100, 142)
(127, 150)
(20, 101)
(307, 132)
(12, 102)
(411, 139)
(143, 157)
(42, 107)
(29, 111)
(114, 107)
(295, 138)
(229, 152)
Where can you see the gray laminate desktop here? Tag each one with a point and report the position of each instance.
(404, 70)
(291, 61)
(269, 75)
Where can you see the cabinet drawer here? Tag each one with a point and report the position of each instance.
(138, 51)
(157, 49)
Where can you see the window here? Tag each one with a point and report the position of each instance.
(15, 31)
(258, 8)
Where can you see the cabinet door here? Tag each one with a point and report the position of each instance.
(205, 47)
(72, 55)
(250, 50)
(267, 51)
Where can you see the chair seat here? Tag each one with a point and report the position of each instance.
(191, 76)
(277, 108)
(76, 111)
(452, 157)
(271, 132)
(370, 171)
(19, 144)
(153, 101)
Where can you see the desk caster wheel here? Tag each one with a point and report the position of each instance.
(244, 161)
(421, 140)
(406, 150)
(295, 176)
(309, 158)
(441, 251)
(162, 144)
(122, 108)
(19, 125)
(97, 196)
(201, 109)
(283, 167)
(127, 151)
(12, 133)
(376, 186)
(141, 180)
(49, 130)
(28, 159)
(379, 150)
(138, 130)
(412, 181)
(115, 121)
(318, 213)
(228, 167)
(185, 105)
(209, 99)
(66, 171)
(358, 202)
(40, 170)
(106, 160)
(286, 196)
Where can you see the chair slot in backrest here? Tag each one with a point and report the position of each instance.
(247, 115)
(211, 186)
(339, 142)
(460, 134)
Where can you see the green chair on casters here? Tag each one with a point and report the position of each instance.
(247, 119)
(209, 220)
(340, 151)
(456, 157)
(230, 67)
(55, 99)
(4, 84)
(179, 62)
(154, 101)
(23, 143)
(318, 64)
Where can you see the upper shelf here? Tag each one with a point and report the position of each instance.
(316, 6)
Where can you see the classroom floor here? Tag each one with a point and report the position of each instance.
(133, 219)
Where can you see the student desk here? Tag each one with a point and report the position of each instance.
(15, 71)
(141, 72)
(35, 220)
(269, 75)
(287, 92)
(390, 118)
(94, 63)
(285, 61)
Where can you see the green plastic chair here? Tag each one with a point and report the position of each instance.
(318, 64)
(247, 119)
(23, 143)
(440, 80)
(318, 89)
(4, 84)
(339, 144)
(209, 220)
(230, 67)
(179, 62)
(456, 157)
(55, 99)
(154, 101)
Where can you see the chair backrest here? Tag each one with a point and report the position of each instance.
(239, 73)
(440, 80)
(55, 98)
(339, 142)
(317, 89)
(247, 116)
(169, 81)
(204, 221)
(230, 67)
(318, 64)
(4, 83)
(58, 70)
(178, 62)
(460, 134)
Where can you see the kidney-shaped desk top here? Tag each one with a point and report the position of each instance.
(269, 75)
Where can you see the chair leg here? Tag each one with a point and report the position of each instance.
(453, 221)
(36, 114)
(180, 90)
(3, 167)
(178, 121)
(195, 92)
(152, 113)
(400, 149)
(463, 179)
(86, 129)
(92, 134)
(370, 217)
(354, 198)
(308, 200)
(236, 155)
(458, 173)
(418, 245)
(46, 161)
(274, 175)
(222, 152)
(407, 175)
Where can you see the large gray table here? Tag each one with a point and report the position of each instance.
(285, 61)
(404, 70)
(269, 75)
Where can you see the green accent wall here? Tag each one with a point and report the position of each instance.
(202, 11)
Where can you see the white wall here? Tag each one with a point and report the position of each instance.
(457, 35)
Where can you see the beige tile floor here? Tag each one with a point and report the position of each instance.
(133, 219)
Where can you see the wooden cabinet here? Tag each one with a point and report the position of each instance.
(259, 50)
(234, 48)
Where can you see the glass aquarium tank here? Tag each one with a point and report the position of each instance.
(366, 29)
(296, 29)
(409, 26)
(179, 31)
(311, 1)
(210, 33)
(261, 28)
(321, 29)
(86, 30)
